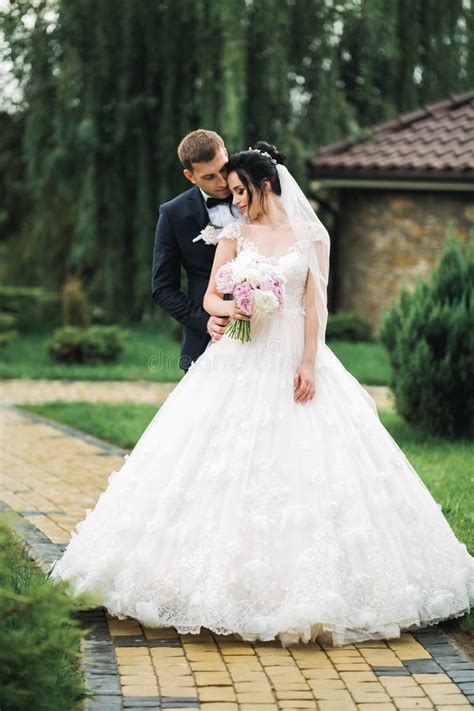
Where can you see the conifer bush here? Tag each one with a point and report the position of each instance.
(75, 308)
(429, 336)
(39, 636)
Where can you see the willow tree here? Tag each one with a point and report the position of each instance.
(109, 88)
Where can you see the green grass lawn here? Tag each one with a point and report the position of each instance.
(367, 362)
(150, 355)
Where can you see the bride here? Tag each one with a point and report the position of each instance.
(265, 498)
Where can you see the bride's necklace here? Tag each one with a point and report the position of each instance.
(269, 225)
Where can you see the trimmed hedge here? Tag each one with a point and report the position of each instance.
(348, 326)
(31, 306)
(7, 328)
(429, 336)
(96, 344)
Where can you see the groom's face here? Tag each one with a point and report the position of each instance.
(210, 175)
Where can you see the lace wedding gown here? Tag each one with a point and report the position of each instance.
(242, 511)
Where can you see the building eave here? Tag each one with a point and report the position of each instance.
(391, 180)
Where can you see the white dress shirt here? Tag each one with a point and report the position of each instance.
(223, 214)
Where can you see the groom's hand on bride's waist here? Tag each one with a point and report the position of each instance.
(216, 326)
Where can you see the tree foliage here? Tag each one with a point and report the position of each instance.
(430, 340)
(108, 89)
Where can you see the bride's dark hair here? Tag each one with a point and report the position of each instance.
(256, 165)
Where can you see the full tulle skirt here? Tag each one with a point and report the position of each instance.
(242, 511)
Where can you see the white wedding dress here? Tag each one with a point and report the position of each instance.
(242, 511)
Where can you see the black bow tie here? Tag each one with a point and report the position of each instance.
(212, 202)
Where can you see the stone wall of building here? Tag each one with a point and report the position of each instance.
(390, 237)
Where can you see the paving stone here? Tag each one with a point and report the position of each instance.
(450, 700)
(101, 684)
(337, 706)
(413, 703)
(213, 678)
(436, 637)
(350, 677)
(255, 697)
(213, 693)
(423, 666)
(126, 641)
(467, 688)
(138, 690)
(138, 702)
(459, 676)
(432, 678)
(443, 648)
(179, 701)
(391, 671)
(294, 694)
(457, 665)
(143, 679)
(111, 704)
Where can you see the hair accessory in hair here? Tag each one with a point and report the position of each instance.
(264, 153)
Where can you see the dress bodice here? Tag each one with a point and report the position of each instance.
(293, 263)
(294, 266)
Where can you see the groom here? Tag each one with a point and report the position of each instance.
(203, 156)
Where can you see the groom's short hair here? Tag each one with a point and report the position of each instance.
(199, 146)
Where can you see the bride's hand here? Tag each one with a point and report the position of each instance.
(238, 313)
(303, 383)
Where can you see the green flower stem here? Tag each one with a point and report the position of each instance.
(239, 329)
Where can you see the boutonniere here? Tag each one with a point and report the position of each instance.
(209, 235)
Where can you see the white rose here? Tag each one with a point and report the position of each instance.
(265, 268)
(265, 302)
(239, 274)
(253, 276)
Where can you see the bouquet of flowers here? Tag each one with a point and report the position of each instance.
(257, 286)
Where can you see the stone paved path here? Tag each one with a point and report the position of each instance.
(35, 391)
(50, 475)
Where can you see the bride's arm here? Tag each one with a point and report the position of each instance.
(311, 323)
(304, 387)
(213, 302)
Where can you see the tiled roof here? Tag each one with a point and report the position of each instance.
(437, 142)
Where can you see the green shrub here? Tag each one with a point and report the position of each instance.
(429, 336)
(39, 636)
(348, 326)
(102, 344)
(96, 344)
(74, 303)
(7, 328)
(31, 306)
(65, 344)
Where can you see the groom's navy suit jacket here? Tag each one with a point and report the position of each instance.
(180, 220)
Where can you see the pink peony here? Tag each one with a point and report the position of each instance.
(224, 280)
(243, 294)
